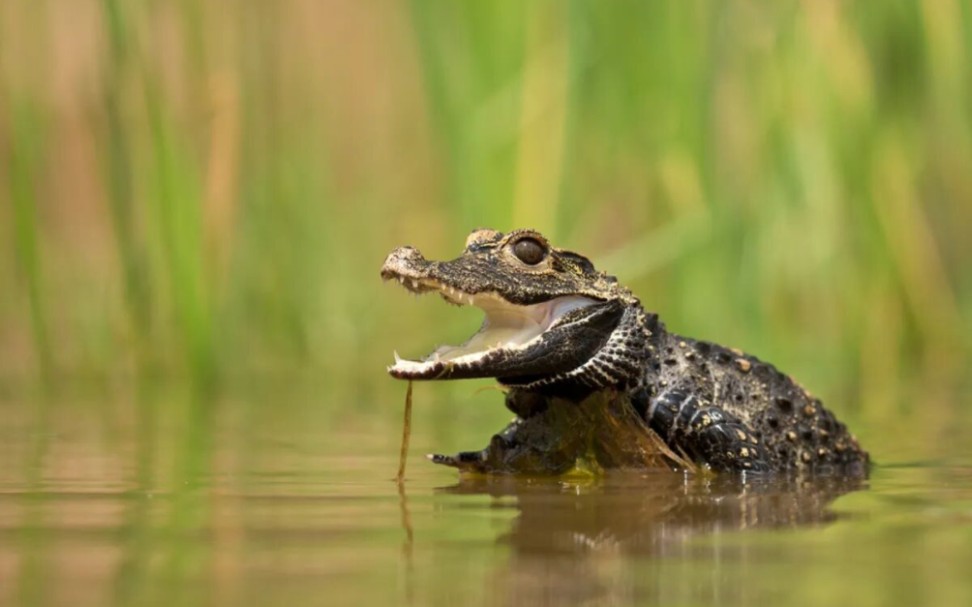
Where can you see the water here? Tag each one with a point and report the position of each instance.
(280, 505)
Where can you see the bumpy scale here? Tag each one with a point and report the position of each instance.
(557, 331)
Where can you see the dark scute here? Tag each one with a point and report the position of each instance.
(826, 420)
(582, 262)
(640, 401)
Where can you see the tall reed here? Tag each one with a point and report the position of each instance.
(790, 179)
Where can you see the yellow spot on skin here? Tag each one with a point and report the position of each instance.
(682, 344)
(737, 351)
(706, 420)
(791, 435)
(809, 410)
(744, 452)
(753, 440)
(744, 365)
(806, 456)
(821, 452)
(741, 434)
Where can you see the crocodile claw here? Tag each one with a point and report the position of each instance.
(461, 460)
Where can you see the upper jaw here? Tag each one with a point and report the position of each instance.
(427, 285)
(414, 272)
(507, 330)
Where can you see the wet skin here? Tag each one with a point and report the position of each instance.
(589, 371)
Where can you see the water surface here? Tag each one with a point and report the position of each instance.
(280, 508)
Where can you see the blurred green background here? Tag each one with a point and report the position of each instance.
(201, 194)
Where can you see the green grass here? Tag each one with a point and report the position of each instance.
(206, 194)
(24, 162)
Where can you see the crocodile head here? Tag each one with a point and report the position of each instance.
(551, 318)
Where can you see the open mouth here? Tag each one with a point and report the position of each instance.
(507, 328)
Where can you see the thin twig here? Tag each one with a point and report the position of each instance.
(406, 433)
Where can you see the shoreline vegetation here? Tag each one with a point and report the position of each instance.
(203, 194)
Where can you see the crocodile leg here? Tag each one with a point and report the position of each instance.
(523, 447)
(706, 433)
(504, 450)
(537, 445)
(485, 460)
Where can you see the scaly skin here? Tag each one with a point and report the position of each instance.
(719, 407)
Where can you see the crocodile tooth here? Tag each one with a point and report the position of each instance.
(602, 357)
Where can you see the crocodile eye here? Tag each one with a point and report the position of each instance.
(529, 251)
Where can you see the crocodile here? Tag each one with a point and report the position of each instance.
(557, 331)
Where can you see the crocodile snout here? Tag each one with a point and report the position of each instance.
(405, 262)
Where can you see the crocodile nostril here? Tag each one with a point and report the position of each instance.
(404, 261)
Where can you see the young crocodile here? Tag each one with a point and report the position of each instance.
(557, 329)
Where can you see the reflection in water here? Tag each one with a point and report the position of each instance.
(408, 546)
(578, 541)
(279, 516)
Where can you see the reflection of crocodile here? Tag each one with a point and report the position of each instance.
(645, 538)
(648, 513)
(558, 329)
